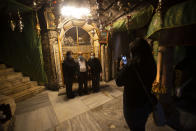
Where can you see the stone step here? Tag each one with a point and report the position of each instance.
(4, 71)
(19, 80)
(2, 66)
(12, 89)
(20, 96)
(34, 83)
(13, 82)
(10, 75)
(15, 85)
(17, 88)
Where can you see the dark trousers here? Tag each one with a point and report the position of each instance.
(82, 80)
(68, 84)
(95, 82)
(136, 117)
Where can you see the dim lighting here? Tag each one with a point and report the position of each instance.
(78, 13)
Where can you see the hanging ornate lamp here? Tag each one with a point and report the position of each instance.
(12, 23)
(101, 27)
(20, 23)
(120, 5)
(37, 27)
(93, 32)
(37, 24)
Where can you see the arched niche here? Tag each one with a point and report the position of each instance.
(90, 29)
(77, 40)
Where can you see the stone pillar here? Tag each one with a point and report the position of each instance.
(49, 41)
(54, 43)
(109, 58)
(106, 64)
(166, 78)
(114, 68)
(49, 61)
(103, 61)
(96, 48)
(159, 64)
(165, 68)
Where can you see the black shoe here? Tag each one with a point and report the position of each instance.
(71, 96)
(86, 92)
(96, 90)
(80, 93)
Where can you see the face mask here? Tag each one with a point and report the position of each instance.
(81, 58)
(68, 56)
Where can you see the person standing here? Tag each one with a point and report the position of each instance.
(136, 105)
(95, 70)
(69, 73)
(83, 75)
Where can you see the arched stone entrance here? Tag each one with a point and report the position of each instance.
(90, 29)
(77, 40)
(66, 25)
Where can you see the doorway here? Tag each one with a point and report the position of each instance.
(78, 36)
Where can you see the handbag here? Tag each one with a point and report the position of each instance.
(158, 112)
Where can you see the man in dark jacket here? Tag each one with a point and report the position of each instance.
(95, 70)
(69, 72)
(136, 103)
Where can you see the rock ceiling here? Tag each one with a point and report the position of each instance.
(103, 12)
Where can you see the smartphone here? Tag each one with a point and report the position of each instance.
(124, 60)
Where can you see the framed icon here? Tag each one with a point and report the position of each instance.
(103, 38)
(50, 19)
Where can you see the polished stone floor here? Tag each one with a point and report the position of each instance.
(100, 111)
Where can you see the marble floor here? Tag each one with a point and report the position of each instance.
(52, 111)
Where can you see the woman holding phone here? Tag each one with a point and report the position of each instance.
(136, 105)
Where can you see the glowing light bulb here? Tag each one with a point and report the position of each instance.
(78, 13)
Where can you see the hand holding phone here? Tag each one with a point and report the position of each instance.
(124, 60)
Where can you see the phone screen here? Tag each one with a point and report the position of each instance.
(124, 59)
